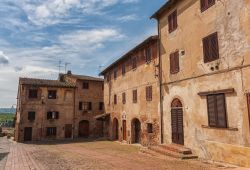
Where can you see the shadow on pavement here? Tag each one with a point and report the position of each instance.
(67, 141)
(3, 155)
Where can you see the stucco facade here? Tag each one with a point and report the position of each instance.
(124, 117)
(196, 79)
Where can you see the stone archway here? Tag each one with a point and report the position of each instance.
(135, 131)
(177, 122)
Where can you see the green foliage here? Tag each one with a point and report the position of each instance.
(6, 117)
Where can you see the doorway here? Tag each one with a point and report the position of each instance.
(68, 130)
(84, 128)
(124, 129)
(28, 134)
(135, 131)
(115, 129)
(177, 122)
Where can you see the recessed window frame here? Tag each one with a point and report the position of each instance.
(212, 103)
(31, 115)
(134, 94)
(85, 85)
(149, 93)
(211, 51)
(174, 62)
(172, 21)
(33, 94)
(52, 94)
(204, 4)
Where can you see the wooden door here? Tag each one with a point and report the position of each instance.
(115, 129)
(136, 131)
(177, 126)
(28, 134)
(84, 128)
(68, 130)
(124, 129)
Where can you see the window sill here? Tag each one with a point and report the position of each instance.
(229, 128)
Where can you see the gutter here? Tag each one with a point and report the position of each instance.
(160, 81)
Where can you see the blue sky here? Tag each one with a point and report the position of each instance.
(36, 34)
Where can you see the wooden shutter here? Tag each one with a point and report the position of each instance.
(221, 111)
(211, 105)
(149, 93)
(134, 96)
(172, 21)
(90, 106)
(115, 99)
(211, 48)
(80, 105)
(57, 115)
(174, 62)
(123, 98)
(248, 106)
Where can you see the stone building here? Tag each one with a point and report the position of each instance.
(205, 61)
(58, 109)
(131, 95)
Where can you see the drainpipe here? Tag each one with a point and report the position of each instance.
(160, 80)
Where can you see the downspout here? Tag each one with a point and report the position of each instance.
(160, 80)
(74, 116)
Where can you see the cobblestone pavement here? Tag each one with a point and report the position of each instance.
(4, 151)
(93, 155)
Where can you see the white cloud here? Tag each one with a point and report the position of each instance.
(126, 18)
(4, 60)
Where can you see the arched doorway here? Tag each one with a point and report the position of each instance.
(115, 129)
(84, 128)
(177, 122)
(135, 131)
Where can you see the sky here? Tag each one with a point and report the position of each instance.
(87, 34)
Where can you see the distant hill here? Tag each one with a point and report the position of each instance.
(7, 110)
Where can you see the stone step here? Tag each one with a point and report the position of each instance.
(166, 152)
(177, 148)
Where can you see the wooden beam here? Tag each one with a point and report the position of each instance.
(231, 90)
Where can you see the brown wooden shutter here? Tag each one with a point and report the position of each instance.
(174, 62)
(221, 111)
(214, 46)
(248, 106)
(172, 21)
(203, 5)
(211, 48)
(211, 105)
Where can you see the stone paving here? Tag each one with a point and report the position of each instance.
(93, 155)
(4, 151)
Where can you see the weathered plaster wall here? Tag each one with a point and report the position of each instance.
(63, 104)
(146, 111)
(231, 19)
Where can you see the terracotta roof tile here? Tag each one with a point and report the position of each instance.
(45, 83)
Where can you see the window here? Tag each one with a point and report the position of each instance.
(101, 105)
(108, 77)
(52, 115)
(123, 69)
(134, 63)
(85, 85)
(33, 93)
(216, 106)
(115, 74)
(123, 98)
(52, 94)
(80, 105)
(150, 127)
(205, 4)
(174, 62)
(85, 106)
(211, 48)
(134, 96)
(148, 55)
(248, 105)
(31, 116)
(172, 21)
(149, 93)
(115, 99)
(89, 105)
(51, 131)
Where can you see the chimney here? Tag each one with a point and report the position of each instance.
(69, 72)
